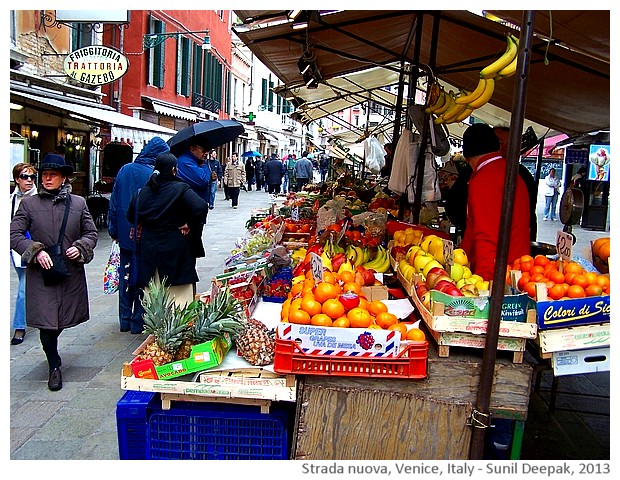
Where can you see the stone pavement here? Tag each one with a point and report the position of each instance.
(79, 422)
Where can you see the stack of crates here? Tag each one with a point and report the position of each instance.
(201, 431)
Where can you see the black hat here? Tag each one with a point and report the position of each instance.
(165, 162)
(479, 139)
(53, 161)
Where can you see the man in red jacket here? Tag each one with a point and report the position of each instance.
(484, 203)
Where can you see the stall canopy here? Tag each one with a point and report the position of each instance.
(568, 82)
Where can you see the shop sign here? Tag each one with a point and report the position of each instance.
(96, 65)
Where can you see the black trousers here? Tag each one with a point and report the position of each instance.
(273, 188)
(233, 192)
(49, 342)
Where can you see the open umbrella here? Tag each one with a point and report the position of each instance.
(215, 132)
(252, 153)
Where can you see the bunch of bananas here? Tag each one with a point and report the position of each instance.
(450, 107)
(357, 255)
(381, 263)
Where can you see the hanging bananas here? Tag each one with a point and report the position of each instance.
(485, 96)
(491, 70)
(510, 69)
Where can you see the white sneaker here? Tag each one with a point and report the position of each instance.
(545, 219)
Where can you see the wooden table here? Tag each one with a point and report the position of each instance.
(365, 418)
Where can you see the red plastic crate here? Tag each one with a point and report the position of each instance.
(410, 363)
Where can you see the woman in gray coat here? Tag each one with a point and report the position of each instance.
(53, 308)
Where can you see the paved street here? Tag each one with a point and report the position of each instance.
(78, 422)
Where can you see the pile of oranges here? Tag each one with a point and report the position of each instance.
(337, 301)
(572, 282)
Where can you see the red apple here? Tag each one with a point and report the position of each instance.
(444, 286)
(432, 283)
(433, 275)
(337, 261)
(369, 276)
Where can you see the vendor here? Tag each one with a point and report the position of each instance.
(485, 203)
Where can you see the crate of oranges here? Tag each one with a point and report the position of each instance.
(566, 295)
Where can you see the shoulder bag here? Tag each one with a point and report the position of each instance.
(59, 270)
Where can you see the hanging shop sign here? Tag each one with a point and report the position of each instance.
(96, 65)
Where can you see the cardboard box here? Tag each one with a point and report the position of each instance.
(573, 362)
(514, 307)
(337, 341)
(376, 292)
(203, 356)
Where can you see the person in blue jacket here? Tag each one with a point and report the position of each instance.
(193, 168)
(215, 166)
(131, 177)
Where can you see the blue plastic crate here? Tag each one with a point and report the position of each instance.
(132, 412)
(203, 431)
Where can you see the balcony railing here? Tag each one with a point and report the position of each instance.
(206, 103)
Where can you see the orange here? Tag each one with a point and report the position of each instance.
(549, 284)
(576, 291)
(537, 269)
(296, 304)
(333, 308)
(310, 305)
(537, 277)
(526, 262)
(525, 277)
(580, 280)
(591, 277)
(530, 289)
(298, 316)
(566, 287)
(296, 289)
(364, 303)
(321, 320)
(601, 248)
(329, 277)
(285, 308)
(308, 286)
(526, 258)
(556, 292)
(385, 319)
(342, 322)
(541, 260)
(556, 276)
(376, 307)
(568, 277)
(602, 281)
(325, 291)
(359, 318)
(347, 276)
(352, 287)
(416, 335)
(572, 267)
(374, 326)
(594, 290)
(401, 327)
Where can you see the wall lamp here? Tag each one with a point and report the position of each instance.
(151, 40)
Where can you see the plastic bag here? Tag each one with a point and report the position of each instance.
(375, 225)
(111, 271)
(374, 154)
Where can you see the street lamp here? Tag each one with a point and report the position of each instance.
(151, 40)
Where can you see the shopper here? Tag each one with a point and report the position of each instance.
(249, 172)
(36, 226)
(259, 173)
(194, 169)
(303, 171)
(324, 167)
(274, 172)
(166, 208)
(485, 203)
(234, 176)
(24, 176)
(552, 191)
(290, 175)
(217, 172)
(129, 179)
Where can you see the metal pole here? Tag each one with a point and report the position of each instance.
(480, 417)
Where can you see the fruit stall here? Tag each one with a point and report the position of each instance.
(379, 319)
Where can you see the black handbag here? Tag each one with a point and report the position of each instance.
(132, 270)
(59, 270)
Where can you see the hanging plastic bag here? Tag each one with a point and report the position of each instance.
(430, 183)
(374, 154)
(111, 271)
(405, 155)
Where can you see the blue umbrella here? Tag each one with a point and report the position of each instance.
(215, 132)
(252, 153)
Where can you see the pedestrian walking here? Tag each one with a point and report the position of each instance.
(303, 171)
(59, 225)
(234, 176)
(274, 172)
(290, 173)
(324, 165)
(259, 173)
(24, 176)
(129, 179)
(165, 208)
(249, 172)
(552, 191)
(217, 172)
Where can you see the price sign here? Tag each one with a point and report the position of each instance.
(316, 265)
(448, 253)
(564, 245)
(295, 213)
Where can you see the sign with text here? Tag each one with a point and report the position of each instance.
(564, 245)
(96, 65)
(316, 265)
(295, 214)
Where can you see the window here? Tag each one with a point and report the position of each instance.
(264, 91)
(81, 35)
(197, 70)
(235, 95)
(184, 56)
(156, 57)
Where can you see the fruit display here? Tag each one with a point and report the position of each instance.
(571, 281)
(256, 343)
(450, 107)
(600, 254)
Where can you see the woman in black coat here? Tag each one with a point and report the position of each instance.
(166, 205)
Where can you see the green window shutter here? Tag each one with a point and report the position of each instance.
(270, 97)
(186, 55)
(159, 57)
(197, 70)
(206, 76)
(229, 92)
(263, 100)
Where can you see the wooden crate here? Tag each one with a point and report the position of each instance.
(572, 338)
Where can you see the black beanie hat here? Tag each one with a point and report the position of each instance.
(479, 139)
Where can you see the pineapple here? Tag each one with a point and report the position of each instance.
(223, 315)
(256, 344)
(165, 321)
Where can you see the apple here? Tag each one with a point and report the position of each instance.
(469, 290)
(420, 261)
(337, 261)
(460, 257)
(426, 300)
(456, 271)
(444, 285)
(438, 279)
(431, 264)
(369, 277)
(359, 278)
(434, 273)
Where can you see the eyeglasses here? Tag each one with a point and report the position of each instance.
(25, 176)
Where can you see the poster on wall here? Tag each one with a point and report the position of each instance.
(599, 159)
